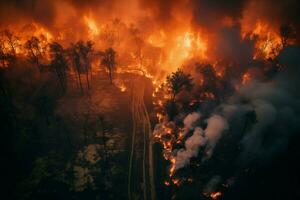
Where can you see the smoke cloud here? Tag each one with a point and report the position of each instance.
(276, 109)
(190, 120)
(215, 126)
(208, 138)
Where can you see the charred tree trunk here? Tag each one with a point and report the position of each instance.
(110, 74)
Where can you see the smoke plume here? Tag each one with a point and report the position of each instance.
(208, 138)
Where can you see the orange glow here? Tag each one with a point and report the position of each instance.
(176, 182)
(215, 195)
(246, 78)
(92, 26)
(268, 41)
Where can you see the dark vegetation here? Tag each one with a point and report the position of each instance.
(59, 142)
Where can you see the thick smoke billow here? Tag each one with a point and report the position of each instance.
(268, 112)
(192, 145)
(190, 120)
(216, 124)
(261, 116)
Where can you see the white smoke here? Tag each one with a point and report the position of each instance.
(192, 145)
(209, 138)
(215, 126)
(190, 119)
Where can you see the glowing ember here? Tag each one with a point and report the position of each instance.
(215, 195)
(167, 183)
(246, 78)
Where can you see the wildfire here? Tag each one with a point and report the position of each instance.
(166, 137)
(42, 32)
(180, 46)
(148, 46)
(268, 41)
(188, 45)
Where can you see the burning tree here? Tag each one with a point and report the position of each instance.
(59, 63)
(34, 50)
(109, 61)
(11, 40)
